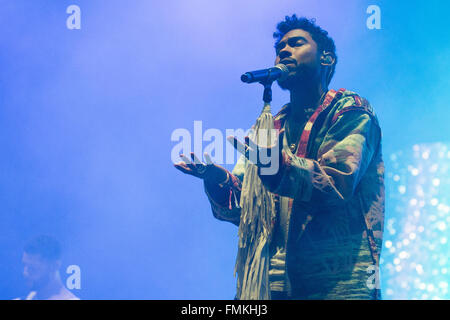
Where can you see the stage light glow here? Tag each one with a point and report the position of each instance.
(417, 213)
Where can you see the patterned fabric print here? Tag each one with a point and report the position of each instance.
(277, 273)
(340, 271)
(337, 192)
(303, 144)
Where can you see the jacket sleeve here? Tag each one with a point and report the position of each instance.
(342, 160)
(225, 199)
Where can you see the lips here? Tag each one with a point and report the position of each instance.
(287, 62)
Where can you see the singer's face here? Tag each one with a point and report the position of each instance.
(298, 51)
(36, 270)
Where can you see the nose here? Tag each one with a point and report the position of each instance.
(284, 53)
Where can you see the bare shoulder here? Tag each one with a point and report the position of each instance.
(64, 294)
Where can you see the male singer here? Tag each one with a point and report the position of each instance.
(328, 191)
(41, 263)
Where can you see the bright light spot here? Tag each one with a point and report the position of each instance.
(419, 191)
(417, 251)
(419, 269)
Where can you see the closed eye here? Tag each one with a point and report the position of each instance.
(292, 42)
(296, 42)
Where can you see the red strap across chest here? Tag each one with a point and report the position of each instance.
(304, 139)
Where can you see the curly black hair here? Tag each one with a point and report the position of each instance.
(320, 36)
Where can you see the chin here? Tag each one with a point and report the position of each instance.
(290, 83)
(303, 77)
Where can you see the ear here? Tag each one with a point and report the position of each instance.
(327, 59)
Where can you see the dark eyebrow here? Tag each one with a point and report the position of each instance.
(290, 40)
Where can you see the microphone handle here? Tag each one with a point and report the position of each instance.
(270, 74)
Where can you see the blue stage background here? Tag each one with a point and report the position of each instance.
(86, 118)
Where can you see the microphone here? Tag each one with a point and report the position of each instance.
(280, 71)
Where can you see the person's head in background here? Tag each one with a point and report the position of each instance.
(41, 262)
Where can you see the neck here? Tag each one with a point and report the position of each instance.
(50, 289)
(303, 97)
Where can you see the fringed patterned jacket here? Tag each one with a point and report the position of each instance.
(334, 187)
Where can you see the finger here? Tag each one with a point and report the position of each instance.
(239, 146)
(183, 168)
(195, 159)
(187, 161)
(207, 158)
(250, 143)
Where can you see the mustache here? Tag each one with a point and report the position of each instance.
(288, 61)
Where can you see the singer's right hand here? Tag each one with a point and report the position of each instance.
(208, 171)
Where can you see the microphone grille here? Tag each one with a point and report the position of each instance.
(284, 70)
